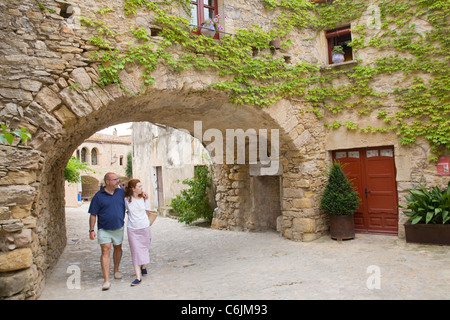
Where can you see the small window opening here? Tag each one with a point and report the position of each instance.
(340, 37)
(155, 31)
(287, 59)
(66, 11)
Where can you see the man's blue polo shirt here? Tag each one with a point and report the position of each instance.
(109, 209)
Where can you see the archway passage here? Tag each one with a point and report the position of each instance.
(90, 186)
(58, 99)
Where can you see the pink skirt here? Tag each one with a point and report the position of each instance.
(139, 240)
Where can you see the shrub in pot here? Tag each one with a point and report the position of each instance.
(429, 215)
(340, 201)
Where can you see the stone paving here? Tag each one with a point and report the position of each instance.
(193, 262)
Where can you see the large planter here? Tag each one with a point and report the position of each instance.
(342, 227)
(427, 233)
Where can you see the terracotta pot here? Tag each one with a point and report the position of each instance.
(342, 227)
(427, 233)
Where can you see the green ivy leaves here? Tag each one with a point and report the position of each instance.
(7, 135)
(422, 56)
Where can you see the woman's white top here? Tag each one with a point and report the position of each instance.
(137, 215)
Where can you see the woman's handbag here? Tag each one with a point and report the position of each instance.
(152, 216)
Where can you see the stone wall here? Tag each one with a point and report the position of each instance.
(48, 84)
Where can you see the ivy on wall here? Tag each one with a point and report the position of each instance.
(421, 107)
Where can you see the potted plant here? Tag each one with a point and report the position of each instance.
(337, 54)
(429, 215)
(211, 26)
(340, 201)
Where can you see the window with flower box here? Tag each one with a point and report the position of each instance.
(203, 10)
(340, 37)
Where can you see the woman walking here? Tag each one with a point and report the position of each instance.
(138, 228)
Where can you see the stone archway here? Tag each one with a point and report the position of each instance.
(61, 115)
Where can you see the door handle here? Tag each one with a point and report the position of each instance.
(367, 191)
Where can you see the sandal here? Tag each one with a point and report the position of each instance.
(106, 286)
(136, 282)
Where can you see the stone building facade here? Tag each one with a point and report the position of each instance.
(162, 158)
(103, 153)
(49, 85)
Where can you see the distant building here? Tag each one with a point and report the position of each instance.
(162, 158)
(103, 153)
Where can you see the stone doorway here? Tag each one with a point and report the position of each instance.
(266, 201)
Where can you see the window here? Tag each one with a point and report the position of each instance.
(94, 160)
(203, 10)
(340, 37)
(84, 155)
(121, 161)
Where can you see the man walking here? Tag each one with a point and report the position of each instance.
(108, 205)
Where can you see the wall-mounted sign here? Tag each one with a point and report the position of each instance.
(443, 165)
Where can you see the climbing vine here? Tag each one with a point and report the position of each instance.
(420, 107)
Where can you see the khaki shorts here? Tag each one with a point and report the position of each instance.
(110, 236)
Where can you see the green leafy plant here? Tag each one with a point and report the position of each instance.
(428, 207)
(338, 49)
(72, 172)
(7, 135)
(193, 204)
(339, 197)
(129, 168)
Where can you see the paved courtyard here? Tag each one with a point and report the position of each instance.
(193, 262)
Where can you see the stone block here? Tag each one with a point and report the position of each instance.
(10, 284)
(304, 225)
(237, 176)
(307, 237)
(48, 99)
(80, 76)
(38, 114)
(293, 193)
(16, 260)
(18, 194)
(13, 227)
(65, 116)
(30, 85)
(75, 102)
(302, 203)
(18, 94)
(23, 238)
(302, 139)
(19, 177)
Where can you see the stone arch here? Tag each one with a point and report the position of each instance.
(58, 100)
(179, 108)
(89, 186)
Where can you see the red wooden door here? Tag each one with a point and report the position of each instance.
(372, 172)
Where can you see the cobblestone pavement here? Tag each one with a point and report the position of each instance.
(193, 262)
